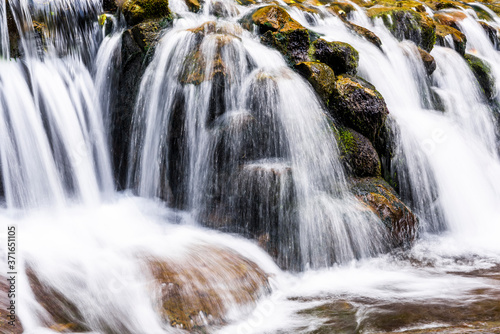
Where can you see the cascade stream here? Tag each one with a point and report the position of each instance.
(182, 174)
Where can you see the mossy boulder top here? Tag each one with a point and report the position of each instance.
(136, 11)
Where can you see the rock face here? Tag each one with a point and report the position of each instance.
(341, 57)
(482, 72)
(194, 290)
(407, 21)
(357, 154)
(358, 105)
(320, 76)
(383, 201)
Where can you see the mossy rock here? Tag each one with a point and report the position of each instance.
(320, 76)
(357, 104)
(407, 22)
(428, 60)
(459, 39)
(146, 34)
(341, 57)
(379, 196)
(109, 5)
(492, 33)
(280, 31)
(357, 153)
(450, 18)
(482, 72)
(201, 287)
(193, 5)
(366, 34)
(340, 8)
(136, 11)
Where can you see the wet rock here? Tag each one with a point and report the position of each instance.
(203, 286)
(320, 76)
(14, 38)
(5, 326)
(146, 34)
(136, 11)
(383, 201)
(450, 19)
(491, 32)
(193, 5)
(458, 38)
(357, 153)
(482, 72)
(406, 21)
(357, 104)
(223, 9)
(340, 8)
(428, 60)
(109, 5)
(366, 34)
(341, 57)
(280, 31)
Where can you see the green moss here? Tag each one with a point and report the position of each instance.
(341, 57)
(136, 11)
(482, 72)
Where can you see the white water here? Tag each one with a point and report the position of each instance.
(450, 165)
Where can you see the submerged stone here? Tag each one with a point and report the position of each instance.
(357, 104)
(379, 196)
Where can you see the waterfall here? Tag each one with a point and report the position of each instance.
(215, 108)
(238, 214)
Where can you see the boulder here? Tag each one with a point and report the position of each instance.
(482, 72)
(136, 11)
(428, 60)
(193, 5)
(147, 33)
(109, 5)
(379, 197)
(357, 104)
(341, 57)
(320, 76)
(458, 38)
(406, 21)
(280, 31)
(357, 153)
(204, 285)
(194, 290)
(366, 34)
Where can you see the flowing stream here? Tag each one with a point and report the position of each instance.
(223, 131)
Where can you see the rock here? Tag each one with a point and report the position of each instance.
(428, 60)
(358, 105)
(357, 153)
(458, 38)
(223, 9)
(340, 8)
(146, 34)
(366, 34)
(407, 22)
(109, 5)
(192, 291)
(383, 201)
(136, 11)
(280, 31)
(341, 57)
(14, 38)
(450, 18)
(320, 76)
(5, 327)
(203, 286)
(193, 5)
(491, 32)
(482, 72)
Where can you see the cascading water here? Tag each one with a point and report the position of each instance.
(232, 115)
(224, 132)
